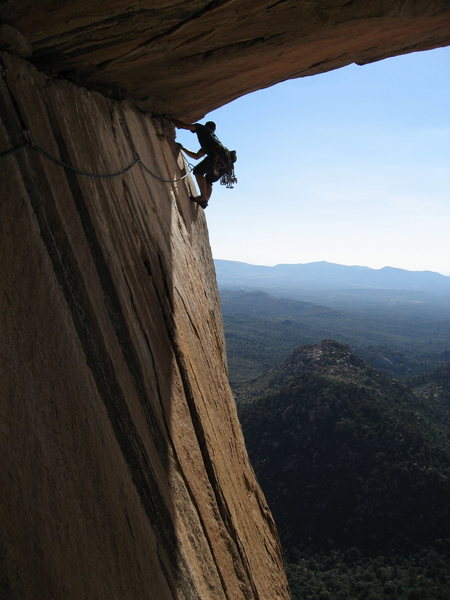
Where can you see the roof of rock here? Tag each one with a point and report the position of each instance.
(187, 58)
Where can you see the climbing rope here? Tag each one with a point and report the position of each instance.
(80, 171)
(13, 150)
(160, 178)
(136, 160)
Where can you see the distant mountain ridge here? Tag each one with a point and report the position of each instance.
(327, 275)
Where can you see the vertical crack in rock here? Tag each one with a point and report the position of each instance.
(19, 124)
(240, 564)
(174, 451)
(194, 327)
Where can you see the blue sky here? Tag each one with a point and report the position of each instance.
(351, 166)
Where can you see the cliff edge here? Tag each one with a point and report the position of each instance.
(124, 473)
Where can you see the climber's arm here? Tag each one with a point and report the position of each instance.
(194, 155)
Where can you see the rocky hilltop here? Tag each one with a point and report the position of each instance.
(347, 456)
(123, 469)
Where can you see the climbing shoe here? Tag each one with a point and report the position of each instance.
(199, 199)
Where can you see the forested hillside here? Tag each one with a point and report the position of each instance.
(434, 388)
(356, 469)
(262, 330)
(349, 438)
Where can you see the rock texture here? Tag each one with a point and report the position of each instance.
(186, 58)
(123, 470)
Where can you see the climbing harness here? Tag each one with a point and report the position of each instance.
(30, 143)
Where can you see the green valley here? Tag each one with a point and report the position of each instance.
(356, 470)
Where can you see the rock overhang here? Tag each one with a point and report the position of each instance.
(188, 58)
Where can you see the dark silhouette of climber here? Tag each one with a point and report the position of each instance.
(218, 163)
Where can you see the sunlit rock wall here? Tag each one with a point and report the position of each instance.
(123, 470)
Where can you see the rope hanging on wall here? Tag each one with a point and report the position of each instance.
(137, 160)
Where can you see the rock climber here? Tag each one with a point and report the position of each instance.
(218, 163)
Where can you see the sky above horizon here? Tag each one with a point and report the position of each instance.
(350, 166)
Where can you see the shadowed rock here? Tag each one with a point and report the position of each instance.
(123, 469)
(187, 58)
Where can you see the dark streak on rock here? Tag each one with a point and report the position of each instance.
(277, 3)
(188, 315)
(179, 467)
(196, 422)
(237, 46)
(85, 30)
(241, 566)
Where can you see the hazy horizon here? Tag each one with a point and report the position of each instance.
(334, 263)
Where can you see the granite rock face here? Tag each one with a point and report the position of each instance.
(123, 469)
(186, 58)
